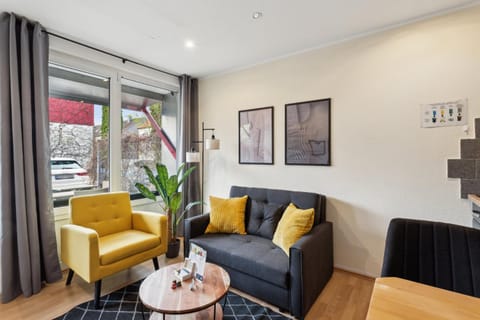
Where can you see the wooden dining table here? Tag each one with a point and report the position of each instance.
(395, 298)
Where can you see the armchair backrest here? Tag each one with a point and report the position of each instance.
(434, 253)
(106, 213)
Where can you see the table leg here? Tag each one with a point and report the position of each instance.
(224, 301)
(141, 306)
(214, 311)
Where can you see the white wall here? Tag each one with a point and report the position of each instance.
(383, 164)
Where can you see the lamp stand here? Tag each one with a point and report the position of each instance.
(202, 164)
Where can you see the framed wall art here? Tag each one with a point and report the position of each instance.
(255, 137)
(307, 133)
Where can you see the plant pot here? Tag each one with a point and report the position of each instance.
(173, 249)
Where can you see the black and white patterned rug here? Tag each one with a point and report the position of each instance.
(124, 304)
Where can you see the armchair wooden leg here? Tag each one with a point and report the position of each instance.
(69, 277)
(98, 289)
(155, 263)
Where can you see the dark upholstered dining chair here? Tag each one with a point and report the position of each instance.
(438, 254)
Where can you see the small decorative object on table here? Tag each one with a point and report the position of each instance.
(198, 256)
(193, 286)
(186, 271)
(176, 284)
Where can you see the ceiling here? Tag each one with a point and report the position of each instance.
(226, 36)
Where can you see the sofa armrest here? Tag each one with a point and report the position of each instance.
(151, 222)
(194, 227)
(311, 266)
(80, 251)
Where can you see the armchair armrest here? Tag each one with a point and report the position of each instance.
(311, 266)
(151, 222)
(194, 227)
(80, 251)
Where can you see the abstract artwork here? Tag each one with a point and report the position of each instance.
(307, 133)
(255, 145)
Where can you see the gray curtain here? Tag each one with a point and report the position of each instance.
(189, 133)
(29, 249)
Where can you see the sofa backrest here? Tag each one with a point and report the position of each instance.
(106, 213)
(258, 197)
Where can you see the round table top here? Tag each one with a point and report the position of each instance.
(157, 295)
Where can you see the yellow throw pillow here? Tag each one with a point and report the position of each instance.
(227, 215)
(292, 226)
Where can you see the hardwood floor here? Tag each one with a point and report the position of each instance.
(346, 296)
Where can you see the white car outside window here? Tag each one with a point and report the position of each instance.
(68, 174)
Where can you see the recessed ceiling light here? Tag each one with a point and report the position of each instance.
(189, 44)
(257, 15)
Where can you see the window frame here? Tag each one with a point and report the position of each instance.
(78, 57)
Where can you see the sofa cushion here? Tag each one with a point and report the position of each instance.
(117, 246)
(293, 225)
(263, 218)
(249, 254)
(227, 215)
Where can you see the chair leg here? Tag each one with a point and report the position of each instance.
(69, 277)
(155, 263)
(98, 288)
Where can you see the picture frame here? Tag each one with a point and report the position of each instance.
(255, 136)
(307, 133)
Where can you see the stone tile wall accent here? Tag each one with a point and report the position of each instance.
(467, 168)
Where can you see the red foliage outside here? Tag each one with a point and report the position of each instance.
(70, 112)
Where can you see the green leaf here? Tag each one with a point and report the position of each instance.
(162, 175)
(151, 178)
(176, 202)
(188, 207)
(185, 175)
(191, 205)
(180, 168)
(161, 180)
(145, 191)
(172, 185)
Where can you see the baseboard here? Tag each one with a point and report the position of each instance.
(357, 271)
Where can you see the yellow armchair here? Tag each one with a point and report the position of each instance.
(105, 236)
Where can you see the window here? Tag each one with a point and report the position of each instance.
(149, 125)
(107, 120)
(79, 132)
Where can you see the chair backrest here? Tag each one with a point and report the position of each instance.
(303, 200)
(438, 254)
(106, 213)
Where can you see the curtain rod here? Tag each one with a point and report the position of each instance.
(107, 53)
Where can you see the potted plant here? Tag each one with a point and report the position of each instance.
(168, 190)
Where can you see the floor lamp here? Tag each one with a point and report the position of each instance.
(195, 156)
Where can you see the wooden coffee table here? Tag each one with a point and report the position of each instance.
(157, 295)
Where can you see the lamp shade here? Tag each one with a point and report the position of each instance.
(192, 156)
(212, 144)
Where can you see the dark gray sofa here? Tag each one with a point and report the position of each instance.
(256, 265)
